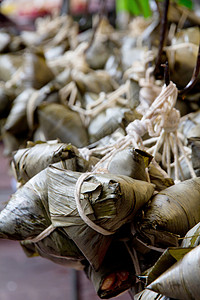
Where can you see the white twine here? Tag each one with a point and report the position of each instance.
(69, 91)
(42, 235)
(72, 59)
(161, 120)
(102, 103)
(175, 47)
(81, 212)
(138, 69)
(149, 90)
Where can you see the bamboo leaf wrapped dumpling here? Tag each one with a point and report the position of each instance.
(34, 72)
(94, 81)
(106, 122)
(175, 209)
(16, 129)
(9, 64)
(107, 199)
(17, 119)
(29, 161)
(26, 216)
(48, 200)
(181, 281)
(58, 121)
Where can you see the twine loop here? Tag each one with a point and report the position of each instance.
(42, 235)
(81, 212)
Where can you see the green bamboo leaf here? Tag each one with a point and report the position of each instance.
(186, 3)
(142, 7)
(135, 7)
(146, 11)
(122, 5)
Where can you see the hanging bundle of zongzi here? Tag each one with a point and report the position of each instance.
(48, 199)
(59, 121)
(175, 209)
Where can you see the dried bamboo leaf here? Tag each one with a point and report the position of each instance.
(114, 67)
(17, 120)
(5, 39)
(58, 121)
(189, 125)
(111, 201)
(157, 178)
(129, 162)
(165, 261)
(12, 142)
(34, 72)
(195, 145)
(98, 54)
(16, 130)
(149, 295)
(6, 99)
(116, 273)
(172, 255)
(182, 59)
(58, 248)
(49, 93)
(181, 281)
(33, 159)
(192, 237)
(25, 215)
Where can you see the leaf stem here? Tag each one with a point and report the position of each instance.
(162, 37)
(194, 78)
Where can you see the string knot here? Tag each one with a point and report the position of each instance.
(136, 129)
(172, 121)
